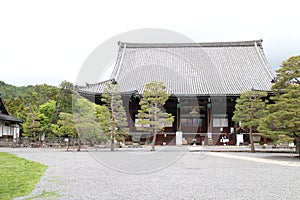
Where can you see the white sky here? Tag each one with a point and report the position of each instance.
(48, 41)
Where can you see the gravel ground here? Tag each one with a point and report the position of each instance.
(179, 175)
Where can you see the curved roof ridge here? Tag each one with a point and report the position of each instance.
(264, 61)
(203, 44)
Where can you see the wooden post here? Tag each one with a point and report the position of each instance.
(178, 115)
(209, 123)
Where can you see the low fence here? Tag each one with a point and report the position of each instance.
(7, 143)
(57, 142)
(49, 142)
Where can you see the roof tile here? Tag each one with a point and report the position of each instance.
(226, 68)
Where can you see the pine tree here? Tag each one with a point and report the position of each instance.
(283, 120)
(152, 115)
(118, 125)
(287, 74)
(32, 127)
(249, 109)
(64, 100)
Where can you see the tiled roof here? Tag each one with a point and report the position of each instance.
(91, 88)
(98, 88)
(10, 118)
(223, 68)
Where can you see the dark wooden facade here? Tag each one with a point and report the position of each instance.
(194, 116)
(198, 116)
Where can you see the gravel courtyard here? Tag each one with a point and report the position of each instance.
(166, 174)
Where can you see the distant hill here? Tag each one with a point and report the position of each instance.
(9, 91)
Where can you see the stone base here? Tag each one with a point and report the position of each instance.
(179, 138)
(210, 142)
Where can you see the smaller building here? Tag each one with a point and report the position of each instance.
(9, 125)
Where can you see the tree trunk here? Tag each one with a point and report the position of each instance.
(251, 141)
(79, 142)
(155, 128)
(112, 139)
(112, 136)
(153, 141)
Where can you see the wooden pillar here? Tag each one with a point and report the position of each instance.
(178, 132)
(209, 129)
(178, 115)
(209, 123)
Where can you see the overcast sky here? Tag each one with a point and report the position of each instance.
(48, 41)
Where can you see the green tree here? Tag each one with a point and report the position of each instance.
(104, 116)
(152, 115)
(64, 99)
(32, 127)
(287, 74)
(46, 116)
(86, 122)
(282, 122)
(283, 119)
(16, 108)
(249, 109)
(9, 91)
(39, 95)
(118, 125)
(65, 126)
(35, 100)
